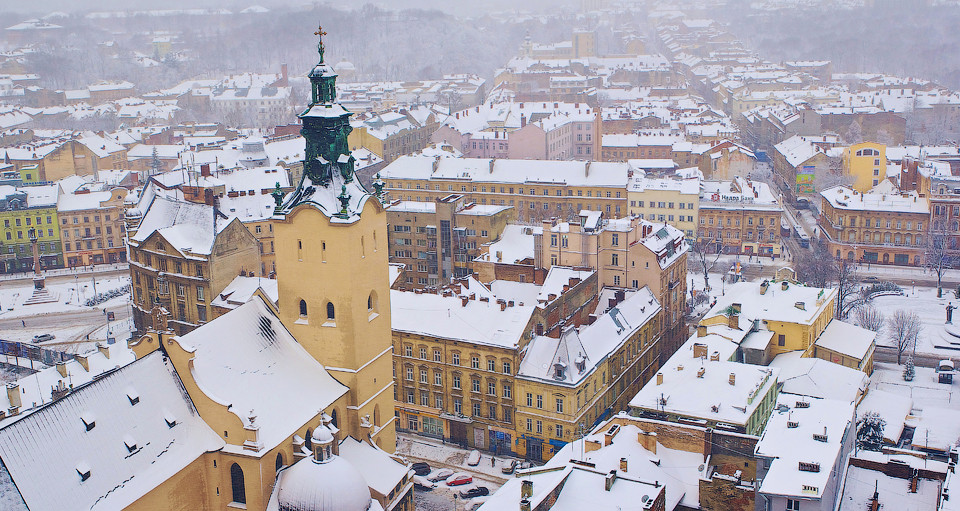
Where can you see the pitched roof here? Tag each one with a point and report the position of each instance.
(118, 429)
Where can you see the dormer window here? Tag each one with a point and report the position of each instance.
(89, 420)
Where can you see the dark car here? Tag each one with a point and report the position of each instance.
(470, 493)
(421, 468)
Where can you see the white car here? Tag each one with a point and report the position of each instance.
(423, 483)
(440, 475)
(474, 458)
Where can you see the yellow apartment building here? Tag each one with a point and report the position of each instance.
(22, 210)
(740, 217)
(536, 189)
(674, 201)
(866, 163)
(92, 226)
(566, 385)
(887, 228)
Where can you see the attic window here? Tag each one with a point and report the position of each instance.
(89, 420)
(133, 396)
(83, 470)
(170, 420)
(130, 443)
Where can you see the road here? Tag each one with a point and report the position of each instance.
(889, 354)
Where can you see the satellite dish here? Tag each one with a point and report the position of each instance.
(700, 468)
(645, 498)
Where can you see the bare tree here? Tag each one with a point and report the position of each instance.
(703, 259)
(904, 329)
(869, 317)
(820, 268)
(936, 257)
(845, 272)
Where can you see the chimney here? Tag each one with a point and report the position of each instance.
(659, 378)
(13, 394)
(526, 489)
(701, 332)
(609, 479)
(733, 379)
(524, 505)
(503, 306)
(733, 321)
(764, 286)
(492, 161)
(105, 351)
(623, 464)
(784, 285)
(464, 300)
(283, 75)
(715, 356)
(523, 120)
(83, 362)
(647, 440)
(736, 308)
(62, 369)
(205, 170)
(436, 164)
(699, 349)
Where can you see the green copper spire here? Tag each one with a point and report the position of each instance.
(326, 126)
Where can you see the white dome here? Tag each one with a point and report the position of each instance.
(344, 65)
(332, 486)
(321, 435)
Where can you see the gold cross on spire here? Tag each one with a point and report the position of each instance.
(320, 31)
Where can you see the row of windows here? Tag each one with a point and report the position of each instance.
(86, 219)
(27, 220)
(475, 383)
(901, 224)
(662, 205)
(38, 231)
(506, 415)
(455, 359)
(162, 263)
(510, 190)
(736, 221)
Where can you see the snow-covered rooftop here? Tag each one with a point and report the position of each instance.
(248, 361)
(843, 198)
(819, 378)
(802, 460)
(127, 433)
(777, 304)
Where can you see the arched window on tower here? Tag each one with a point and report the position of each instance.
(236, 483)
(333, 419)
(279, 461)
(303, 308)
(308, 443)
(331, 315)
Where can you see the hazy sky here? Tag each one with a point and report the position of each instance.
(41, 7)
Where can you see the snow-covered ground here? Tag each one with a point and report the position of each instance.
(67, 318)
(934, 338)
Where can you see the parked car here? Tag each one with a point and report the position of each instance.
(420, 468)
(475, 504)
(423, 484)
(509, 466)
(474, 458)
(478, 491)
(440, 475)
(44, 337)
(459, 479)
(871, 280)
(525, 465)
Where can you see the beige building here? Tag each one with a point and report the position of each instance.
(888, 228)
(91, 226)
(536, 189)
(627, 253)
(181, 255)
(439, 240)
(739, 217)
(659, 200)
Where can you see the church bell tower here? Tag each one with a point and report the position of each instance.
(331, 244)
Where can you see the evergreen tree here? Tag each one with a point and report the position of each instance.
(870, 431)
(908, 370)
(156, 166)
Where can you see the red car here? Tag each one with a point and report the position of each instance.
(459, 479)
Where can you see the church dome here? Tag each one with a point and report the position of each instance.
(344, 65)
(321, 436)
(334, 485)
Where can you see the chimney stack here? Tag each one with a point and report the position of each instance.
(623, 464)
(526, 489)
(733, 379)
(659, 378)
(701, 332)
(13, 394)
(609, 479)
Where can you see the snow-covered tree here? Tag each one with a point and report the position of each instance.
(908, 370)
(870, 431)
